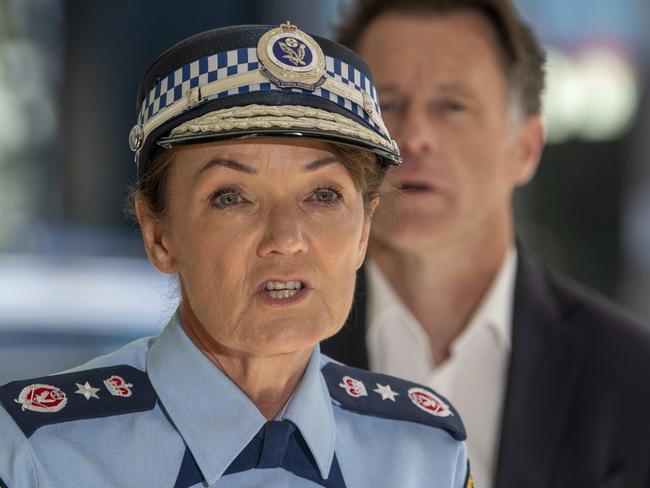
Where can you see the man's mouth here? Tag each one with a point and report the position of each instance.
(415, 187)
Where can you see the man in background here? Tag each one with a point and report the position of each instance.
(553, 381)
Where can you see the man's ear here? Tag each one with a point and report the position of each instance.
(365, 232)
(530, 143)
(156, 243)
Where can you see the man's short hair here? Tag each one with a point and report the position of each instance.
(521, 55)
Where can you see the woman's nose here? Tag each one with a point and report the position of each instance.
(283, 233)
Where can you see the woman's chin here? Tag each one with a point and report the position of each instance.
(282, 338)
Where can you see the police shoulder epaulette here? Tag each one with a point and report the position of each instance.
(88, 394)
(385, 396)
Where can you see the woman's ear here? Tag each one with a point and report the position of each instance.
(365, 232)
(156, 243)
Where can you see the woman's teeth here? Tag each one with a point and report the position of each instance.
(282, 293)
(282, 289)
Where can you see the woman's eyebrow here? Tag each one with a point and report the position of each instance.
(228, 163)
(319, 163)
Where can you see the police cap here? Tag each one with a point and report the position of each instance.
(247, 81)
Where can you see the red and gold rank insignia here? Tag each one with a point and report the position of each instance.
(428, 402)
(353, 387)
(42, 398)
(117, 386)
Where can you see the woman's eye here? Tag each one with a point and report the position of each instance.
(226, 198)
(327, 195)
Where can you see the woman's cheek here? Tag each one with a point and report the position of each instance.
(340, 237)
(337, 215)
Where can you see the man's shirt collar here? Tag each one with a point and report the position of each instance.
(386, 309)
(495, 309)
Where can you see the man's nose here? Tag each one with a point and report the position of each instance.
(416, 134)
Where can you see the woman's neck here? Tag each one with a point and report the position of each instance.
(268, 380)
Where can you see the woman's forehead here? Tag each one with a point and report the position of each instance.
(259, 156)
(259, 153)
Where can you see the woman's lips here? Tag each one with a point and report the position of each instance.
(296, 297)
(283, 292)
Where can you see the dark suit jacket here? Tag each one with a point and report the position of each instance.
(577, 403)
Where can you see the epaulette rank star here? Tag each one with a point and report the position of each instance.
(93, 393)
(385, 396)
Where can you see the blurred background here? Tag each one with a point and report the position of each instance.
(74, 282)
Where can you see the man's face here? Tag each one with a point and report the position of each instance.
(445, 100)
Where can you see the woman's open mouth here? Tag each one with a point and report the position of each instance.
(281, 293)
(283, 289)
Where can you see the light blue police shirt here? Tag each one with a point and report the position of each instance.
(158, 413)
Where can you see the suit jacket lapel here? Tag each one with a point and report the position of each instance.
(349, 344)
(544, 366)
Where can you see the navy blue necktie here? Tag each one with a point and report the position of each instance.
(276, 445)
(279, 444)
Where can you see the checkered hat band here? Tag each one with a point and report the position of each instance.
(222, 65)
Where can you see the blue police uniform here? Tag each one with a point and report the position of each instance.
(158, 413)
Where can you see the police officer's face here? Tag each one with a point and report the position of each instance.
(265, 237)
(445, 100)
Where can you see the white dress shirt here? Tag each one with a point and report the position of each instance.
(474, 376)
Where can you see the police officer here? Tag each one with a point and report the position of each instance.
(260, 151)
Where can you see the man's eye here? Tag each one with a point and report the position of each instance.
(327, 195)
(390, 106)
(226, 198)
(452, 106)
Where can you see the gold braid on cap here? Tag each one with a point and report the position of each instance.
(295, 117)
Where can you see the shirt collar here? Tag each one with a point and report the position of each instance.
(310, 408)
(384, 302)
(216, 419)
(495, 309)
